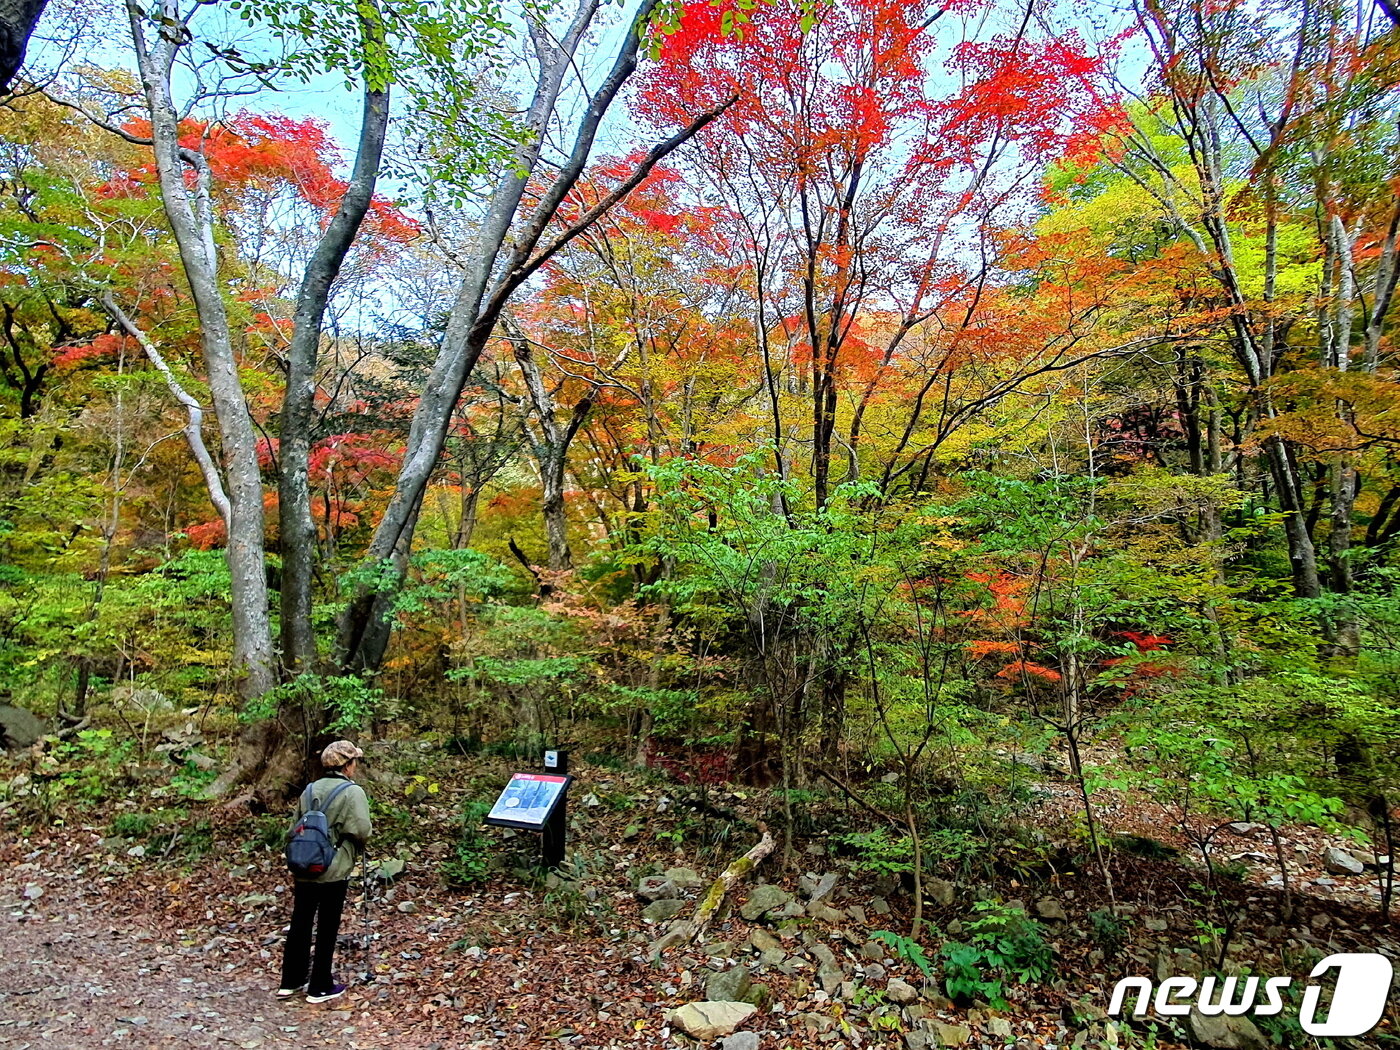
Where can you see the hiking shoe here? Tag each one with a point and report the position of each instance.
(337, 990)
(287, 993)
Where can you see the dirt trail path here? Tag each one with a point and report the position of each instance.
(75, 976)
(97, 953)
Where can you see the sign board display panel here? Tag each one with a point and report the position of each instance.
(528, 800)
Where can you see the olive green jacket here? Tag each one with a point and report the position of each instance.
(348, 818)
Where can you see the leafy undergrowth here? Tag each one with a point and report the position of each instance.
(159, 924)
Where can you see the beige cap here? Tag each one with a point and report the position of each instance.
(339, 753)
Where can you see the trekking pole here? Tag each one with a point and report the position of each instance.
(367, 889)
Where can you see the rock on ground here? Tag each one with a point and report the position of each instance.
(657, 888)
(685, 878)
(18, 727)
(729, 986)
(901, 991)
(764, 899)
(708, 1021)
(817, 887)
(949, 1034)
(661, 910)
(940, 891)
(1340, 862)
(1224, 1032)
(762, 940)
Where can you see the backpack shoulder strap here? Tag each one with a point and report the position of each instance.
(308, 800)
(334, 792)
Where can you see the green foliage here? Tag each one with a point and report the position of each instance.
(192, 781)
(1109, 930)
(176, 614)
(86, 766)
(952, 846)
(879, 851)
(1004, 944)
(269, 835)
(348, 702)
(674, 711)
(143, 825)
(907, 949)
(450, 575)
(1233, 752)
(469, 863)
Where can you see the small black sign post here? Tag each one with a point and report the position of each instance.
(538, 802)
(556, 827)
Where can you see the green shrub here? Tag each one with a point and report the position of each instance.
(908, 950)
(133, 825)
(270, 833)
(1110, 932)
(191, 781)
(349, 701)
(1004, 944)
(879, 852)
(86, 766)
(469, 863)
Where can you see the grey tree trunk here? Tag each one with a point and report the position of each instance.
(17, 21)
(1344, 480)
(298, 529)
(1199, 113)
(551, 447)
(189, 209)
(365, 625)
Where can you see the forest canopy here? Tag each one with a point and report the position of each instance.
(819, 389)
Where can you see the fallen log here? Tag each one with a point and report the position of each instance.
(73, 729)
(687, 930)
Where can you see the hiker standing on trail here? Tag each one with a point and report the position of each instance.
(327, 836)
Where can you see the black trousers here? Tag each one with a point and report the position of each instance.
(319, 904)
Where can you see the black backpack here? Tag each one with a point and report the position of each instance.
(311, 851)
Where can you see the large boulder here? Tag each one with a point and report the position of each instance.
(901, 991)
(949, 1034)
(1340, 862)
(708, 1021)
(657, 888)
(1224, 1032)
(762, 940)
(940, 891)
(816, 887)
(729, 986)
(764, 899)
(662, 910)
(19, 728)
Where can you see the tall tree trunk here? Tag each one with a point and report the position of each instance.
(364, 628)
(17, 21)
(466, 523)
(551, 446)
(297, 529)
(1344, 481)
(189, 209)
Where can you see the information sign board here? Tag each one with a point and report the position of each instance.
(528, 800)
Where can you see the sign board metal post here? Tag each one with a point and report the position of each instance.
(555, 832)
(538, 802)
